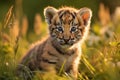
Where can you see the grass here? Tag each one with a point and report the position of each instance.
(100, 59)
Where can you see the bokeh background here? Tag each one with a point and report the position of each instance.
(22, 23)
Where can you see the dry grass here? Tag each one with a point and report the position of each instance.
(100, 59)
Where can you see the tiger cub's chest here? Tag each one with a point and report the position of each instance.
(61, 60)
(66, 61)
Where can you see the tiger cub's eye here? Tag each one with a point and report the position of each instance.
(60, 29)
(73, 29)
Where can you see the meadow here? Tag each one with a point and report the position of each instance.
(101, 50)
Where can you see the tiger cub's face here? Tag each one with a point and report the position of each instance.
(67, 25)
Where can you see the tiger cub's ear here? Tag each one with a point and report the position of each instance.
(49, 12)
(86, 15)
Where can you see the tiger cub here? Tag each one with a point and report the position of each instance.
(68, 28)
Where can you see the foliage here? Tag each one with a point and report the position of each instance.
(100, 59)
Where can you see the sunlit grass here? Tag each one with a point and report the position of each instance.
(100, 59)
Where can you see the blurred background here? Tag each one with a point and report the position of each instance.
(22, 23)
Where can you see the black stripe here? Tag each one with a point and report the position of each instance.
(73, 15)
(47, 61)
(61, 14)
(51, 54)
(61, 17)
(57, 48)
(40, 50)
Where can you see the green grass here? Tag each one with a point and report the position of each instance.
(100, 59)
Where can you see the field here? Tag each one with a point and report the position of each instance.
(101, 50)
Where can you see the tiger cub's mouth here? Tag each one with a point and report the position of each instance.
(66, 42)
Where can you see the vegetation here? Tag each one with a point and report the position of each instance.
(101, 51)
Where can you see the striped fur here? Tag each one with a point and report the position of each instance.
(68, 28)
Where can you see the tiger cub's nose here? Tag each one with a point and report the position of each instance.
(66, 40)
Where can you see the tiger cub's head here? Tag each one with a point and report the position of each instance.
(68, 25)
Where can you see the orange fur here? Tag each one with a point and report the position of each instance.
(68, 28)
